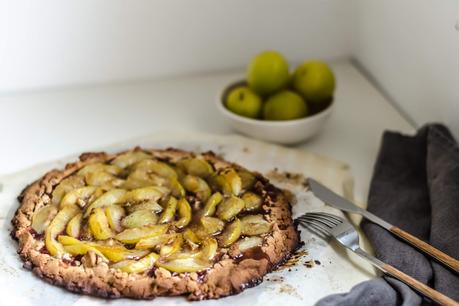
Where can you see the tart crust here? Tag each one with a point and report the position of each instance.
(230, 275)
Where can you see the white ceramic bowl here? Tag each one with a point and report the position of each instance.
(282, 132)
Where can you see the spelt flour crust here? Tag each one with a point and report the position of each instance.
(230, 275)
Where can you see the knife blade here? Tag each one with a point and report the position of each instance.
(331, 198)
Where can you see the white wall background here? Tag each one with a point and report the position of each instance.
(411, 48)
(58, 43)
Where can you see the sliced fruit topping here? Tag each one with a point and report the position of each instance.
(149, 205)
(212, 225)
(137, 266)
(181, 265)
(66, 185)
(152, 242)
(173, 247)
(57, 226)
(211, 204)
(185, 213)
(119, 253)
(98, 224)
(133, 235)
(196, 166)
(252, 201)
(43, 217)
(230, 207)
(231, 233)
(248, 179)
(78, 196)
(169, 212)
(156, 167)
(191, 238)
(74, 226)
(233, 180)
(140, 218)
(198, 186)
(114, 215)
(127, 159)
(99, 167)
(151, 193)
(109, 198)
(254, 225)
(208, 249)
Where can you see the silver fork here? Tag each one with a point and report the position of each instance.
(342, 231)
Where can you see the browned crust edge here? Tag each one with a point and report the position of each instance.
(226, 277)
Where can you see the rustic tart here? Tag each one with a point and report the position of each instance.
(147, 223)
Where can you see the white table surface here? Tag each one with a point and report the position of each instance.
(41, 126)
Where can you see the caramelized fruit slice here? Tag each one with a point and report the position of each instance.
(252, 201)
(230, 207)
(184, 211)
(191, 238)
(74, 226)
(231, 233)
(137, 266)
(181, 265)
(42, 218)
(249, 242)
(196, 166)
(114, 215)
(109, 198)
(77, 196)
(102, 178)
(140, 218)
(139, 179)
(65, 186)
(119, 253)
(212, 225)
(148, 243)
(198, 186)
(129, 158)
(57, 226)
(211, 204)
(156, 167)
(176, 188)
(173, 247)
(208, 249)
(98, 224)
(151, 193)
(133, 235)
(248, 179)
(232, 180)
(169, 212)
(99, 167)
(254, 225)
(149, 205)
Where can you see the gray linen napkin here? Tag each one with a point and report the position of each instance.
(415, 186)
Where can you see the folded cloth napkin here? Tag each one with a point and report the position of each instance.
(415, 186)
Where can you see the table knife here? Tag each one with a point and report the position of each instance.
(337, 201)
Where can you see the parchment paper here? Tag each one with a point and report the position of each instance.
(336, 270)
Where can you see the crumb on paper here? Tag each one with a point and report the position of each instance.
(245, 150)
(312, 263)
(289, 289)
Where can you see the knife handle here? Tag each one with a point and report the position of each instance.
(427, 248)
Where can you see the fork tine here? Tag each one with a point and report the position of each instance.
(319, 219)
(332, 218)
(316, 228)
(323, 227)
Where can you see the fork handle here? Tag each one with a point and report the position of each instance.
(413, 283)
(433, 294)
(427, 248)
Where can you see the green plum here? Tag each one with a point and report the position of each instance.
(267, 72)
(243, 101)
(285, 105)
(315, 81)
